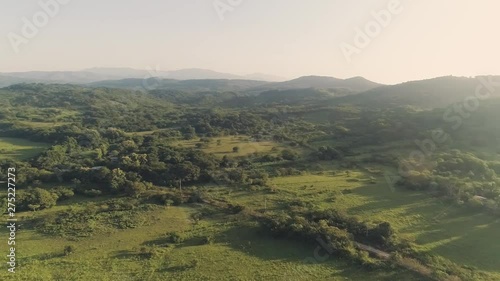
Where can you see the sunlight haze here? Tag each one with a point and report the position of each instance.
(279, 37)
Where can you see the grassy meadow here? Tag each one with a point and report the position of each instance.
(223, 146)
(238, 251)
(435, 226)
(19, 149)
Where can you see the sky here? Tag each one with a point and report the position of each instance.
(387, 41)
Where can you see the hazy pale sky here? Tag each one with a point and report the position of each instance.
(289, 38)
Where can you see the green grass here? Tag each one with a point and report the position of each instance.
(451, 231)
(18, 149)
(245, 144)
(96, 258)
(44, 125)
(142, 133)
(43, 117)
(239, 252)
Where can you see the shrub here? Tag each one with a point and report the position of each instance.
(68, 250)
(176, 198)
(195, 197)
(235, 209)
(208, 239)
(92, 192)
(63, 192)
(175, 237)
(148, 253)
(169, 202)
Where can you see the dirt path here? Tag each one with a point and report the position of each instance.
(378, 253)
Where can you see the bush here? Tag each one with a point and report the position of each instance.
(235, 209)
(195, 197)
(169, 202)
(149, 253)
(68, 250)
(175, 237)
(208, 239)
(176, 198)
(92, 192)
(63, 192)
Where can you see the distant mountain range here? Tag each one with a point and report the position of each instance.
(426, 94)
(333, 85)
(99, 74)
(190, 80)
(191, 86)
(355, 84)
(430, 93)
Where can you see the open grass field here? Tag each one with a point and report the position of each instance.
(450, 231)
(16, 148)
(238, 252)
(245, 144)
(438, 227)
(34, 124)
(38, 117)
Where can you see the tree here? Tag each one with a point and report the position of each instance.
(328, 153)
(189, 132)
(236, 149)
(187, 172)
(37, 198)
(117, 179)
(237, 175)
(68, 250)
(382, 233)
(135, 188)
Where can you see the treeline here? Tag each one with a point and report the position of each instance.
(375, 245)
(338, 231)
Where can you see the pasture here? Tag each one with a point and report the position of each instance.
(438, 227)
(19, 149)
(223, 146)
(238, 251)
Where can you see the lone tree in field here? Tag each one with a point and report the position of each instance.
(68, 250)
(236, 149)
